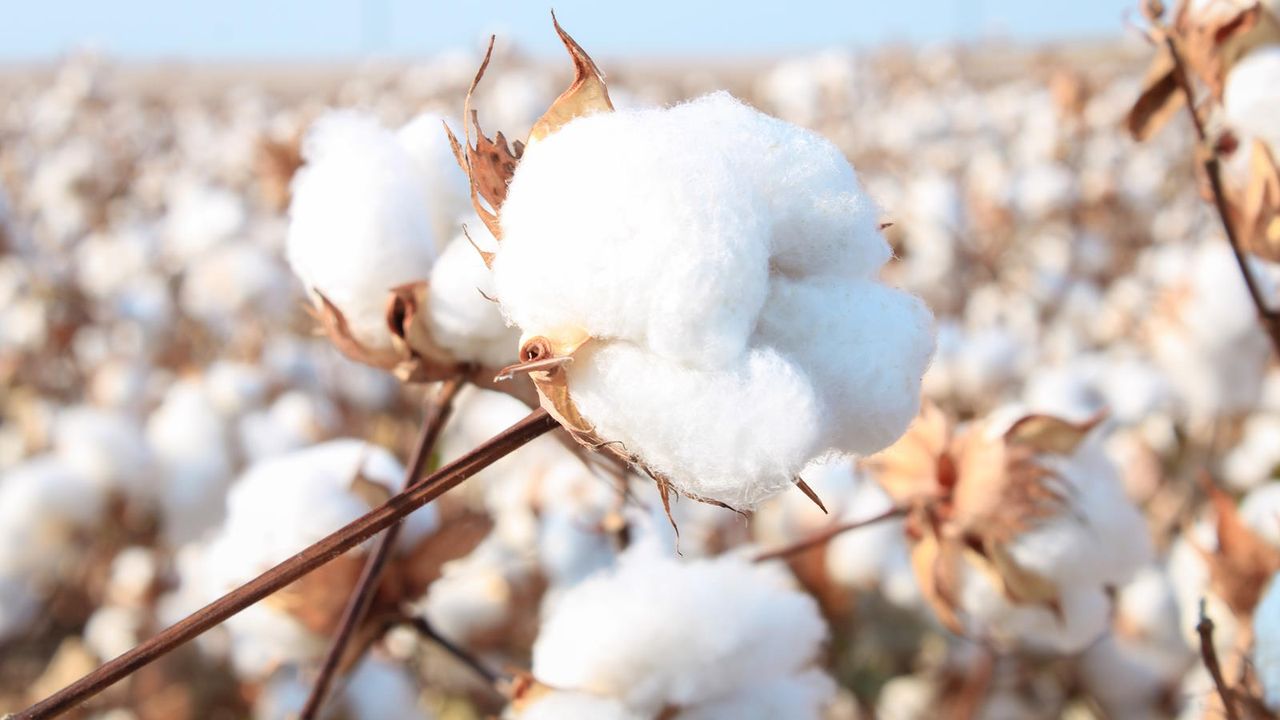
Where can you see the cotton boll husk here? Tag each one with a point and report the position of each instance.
(1266, 644)
(562, 705)
(1251, 96)
(654, 632)
(463, 320)
(1101, 539)
(358, 223)
(107, 448)
(709, 431)
(446, 191)
(862, 345)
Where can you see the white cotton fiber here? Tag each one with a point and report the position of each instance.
(106, 447)
(560, 705)
(724, 263)
(359, 224)
(445, 189)
(1252, 96)
(655, 633)
(464, 320)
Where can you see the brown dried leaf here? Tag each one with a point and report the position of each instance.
(339, 332)
(585, 96)
(1049, 434)
(1260, 211)
(1215, 35)
(1244, 562)
(1160, 100)
(936, 568)
(909, 470)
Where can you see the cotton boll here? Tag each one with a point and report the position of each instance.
(1251, 95)
(680, 415)
(358, 223)
(294, 420)
(42, 504)
(233, 280)
(20, 602)
(446, 190)
(1266, 644)
(463, 318)
(113, 630)
(201, 216)
(1081, 616)
(473, 594)
(189, 442)
(133, 576)
(654, 633)
(861, 346)
(106, 447)
(235, 387)
(1254, 460)
(801, 696)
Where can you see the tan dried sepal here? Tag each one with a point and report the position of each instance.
(1260, 209)
(337, 329)
(1216, 35)
(1049, 434)
(418, 357)
(936, 567)
(909, 469)
(1160, 100)
(586, 95)
(1243, 563)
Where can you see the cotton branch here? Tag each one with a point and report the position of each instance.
(362, 595)
(425, 629)
(1209, 655)
(825, 535)
(535, 424)
(1211, 165)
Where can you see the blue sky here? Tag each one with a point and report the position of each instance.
(333, 29)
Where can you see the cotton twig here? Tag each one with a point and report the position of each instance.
(1211, 166)
(826, 535)
(535, 424)
(361, 597)
(495, 679)
(1209, 655)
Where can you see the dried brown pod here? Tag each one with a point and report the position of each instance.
(971, 492)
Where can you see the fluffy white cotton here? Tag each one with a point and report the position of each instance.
(655, 632)
(277, 508)
(1254, 460)
(359, 223)
(107, 447)
(446, 191)
(862, 558)
(1266, 644)
(188, 440)
(1252, 95)
(560, 705)
(724, 262)
(464, 320)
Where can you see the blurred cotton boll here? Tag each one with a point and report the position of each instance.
(719, 350)
(359, 223)
(652, 636)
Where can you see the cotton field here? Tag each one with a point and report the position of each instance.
(901, 384)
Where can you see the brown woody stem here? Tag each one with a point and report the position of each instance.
(1212, 169)
(380, 518)
(361, 598)
(824, 536)
(425, 629)
(1209, 654)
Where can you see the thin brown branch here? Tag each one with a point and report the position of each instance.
(349, 536)
(1209, 655)
(495, 679)
(1212, 167)
(824, 536)
(361, 598)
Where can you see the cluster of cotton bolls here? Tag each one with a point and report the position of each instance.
(172, 423)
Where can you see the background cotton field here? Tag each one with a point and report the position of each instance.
(879, 381)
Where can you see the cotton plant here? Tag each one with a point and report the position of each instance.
(363, 238)
(653, 638)
(1018, 526)
(721, 366)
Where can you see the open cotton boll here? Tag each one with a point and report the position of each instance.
(43, 502)
(655, 633)
(19, 604)
(1251, 96)
(1253, 461)
(113, 630)
(445, 189)
(463, 320)
(201, 216)
(189, 442)
(359, 225)
(561, 705)
(106, 447)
